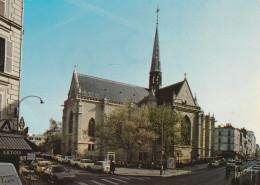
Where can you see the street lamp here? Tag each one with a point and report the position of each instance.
(17, 109)
(41, 101)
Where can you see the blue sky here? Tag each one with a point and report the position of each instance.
(216, 42)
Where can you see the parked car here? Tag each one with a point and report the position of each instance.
(86, 164)
(60, 158)
(214, 163)
(35, 162)
(41, 166)
(101, 166)
(57, 173)
(230, 168)
(222, 162)
(67, 159)
(56, 157)
(256, 166)
(239, 162)
(74, 161)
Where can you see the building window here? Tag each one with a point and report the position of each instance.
(2, 8)
(91, 147)
(71, 122)
(229, 133)
(2, 54)
(228, 140)
(143, 156)
(186, 131)
(91, 127)
(219, 140)
(219, 133)
(6, 55)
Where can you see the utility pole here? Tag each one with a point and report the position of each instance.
(162, 151)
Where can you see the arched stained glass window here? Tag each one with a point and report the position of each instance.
(71, 122)
(91, 127)
(186, 131)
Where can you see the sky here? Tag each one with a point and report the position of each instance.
(216, 42)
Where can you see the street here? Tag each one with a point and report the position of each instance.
(212, 176)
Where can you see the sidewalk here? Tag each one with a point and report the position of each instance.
(166, 173)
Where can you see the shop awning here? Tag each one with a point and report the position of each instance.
(13, 143)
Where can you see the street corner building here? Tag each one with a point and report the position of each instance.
(13, 142)
(89, 98)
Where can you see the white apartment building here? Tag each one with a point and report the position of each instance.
(232, 142)
(36, 138)
(227, 138)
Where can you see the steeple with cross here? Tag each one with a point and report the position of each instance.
(155, 80)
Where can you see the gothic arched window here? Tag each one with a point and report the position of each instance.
(91, 127)
(70, 122)
(186, 131)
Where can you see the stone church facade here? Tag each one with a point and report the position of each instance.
(89, 98)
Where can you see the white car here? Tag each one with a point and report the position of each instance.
(67, 159)
(101, 166)
(8, 174)
(74, 161)
(85, 164)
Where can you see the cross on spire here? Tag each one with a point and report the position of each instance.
(75, 67)
(185, 75)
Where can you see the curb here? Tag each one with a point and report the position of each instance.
(170, 175)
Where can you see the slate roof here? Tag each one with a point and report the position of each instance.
(165, 94)
(112, 90)
(156, 64)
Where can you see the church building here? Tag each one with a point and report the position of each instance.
(89, 98)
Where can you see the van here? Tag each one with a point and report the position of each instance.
(8, 174)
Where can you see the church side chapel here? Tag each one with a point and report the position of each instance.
(89, 98)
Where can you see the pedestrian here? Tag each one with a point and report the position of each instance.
(112, 168)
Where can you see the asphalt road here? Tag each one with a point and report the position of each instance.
(209, 176)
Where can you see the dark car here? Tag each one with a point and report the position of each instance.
(214, 163)
(58, 174)
(239, 162)
(230, 168)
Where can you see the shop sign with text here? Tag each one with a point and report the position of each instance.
(10, 152)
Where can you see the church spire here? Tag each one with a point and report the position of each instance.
(155, 72)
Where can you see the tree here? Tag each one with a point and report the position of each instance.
(53, 138)
(128, 128)
(167, 123)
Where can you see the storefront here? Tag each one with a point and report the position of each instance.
(13, 144)
(12, 147)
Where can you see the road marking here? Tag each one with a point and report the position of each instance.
(82, 183)
(96, 182)
(125, 178)
(138, 178)
(145, 178)
(109, 181)
(118, 180)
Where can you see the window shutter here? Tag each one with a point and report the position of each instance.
(1, 105)
(2, 7)
(9, 57)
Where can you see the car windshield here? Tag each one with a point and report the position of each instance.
(43, 164)
(59, 169)
(87, 161)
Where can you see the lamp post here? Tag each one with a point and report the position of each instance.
(21, 124)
